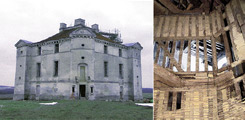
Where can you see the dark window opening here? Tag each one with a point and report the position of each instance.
(170, 101)
(232, 91)
(39, 51)
(225, 21)
(56, 67)
(241, 85)
(121, 70)
(106, 69)
(120, 52)
(105, 49)
(92, 89)
(170, 45)
(21, 52)
(82, 57)
(19, 78)
(238, 70)
(38, 69)
(178, 103)
(73, 88)
(82, 44)
(20, 65)
(230, 46)
(56, 49)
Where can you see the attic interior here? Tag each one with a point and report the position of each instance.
(199, 59)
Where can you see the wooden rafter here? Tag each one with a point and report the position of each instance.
(166, 77)
(171, 56)
(174, 9)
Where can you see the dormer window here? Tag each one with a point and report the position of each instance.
(105, 49)
(56, 48)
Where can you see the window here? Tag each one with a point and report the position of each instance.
(92, 89)
(39, 51)
(178, 103)
(121, 70)
(56, 67)
(56, 48)
(120, 52)
(73, 88)
(170, 101)
(38, 69)
(105, 49)
(106, 69)
(21, 52)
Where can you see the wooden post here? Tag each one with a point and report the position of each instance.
(189, 56)
(197, 55)
(164, 56)
(226, 43)
(205, 54)
(215, 67)
(174, 101)
(227, 49)
(173, 51)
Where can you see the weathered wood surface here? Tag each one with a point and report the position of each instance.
(166, 77)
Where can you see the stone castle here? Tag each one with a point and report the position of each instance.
(79, 62)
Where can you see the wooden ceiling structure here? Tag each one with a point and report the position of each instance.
(195, 26)
(188, 6)
(199, 31)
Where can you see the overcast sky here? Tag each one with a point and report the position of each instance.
(35, 20)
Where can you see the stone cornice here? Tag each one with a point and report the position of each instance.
(79, 36)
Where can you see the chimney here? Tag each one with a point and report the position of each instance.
(95, 27)
(62, 26)
(79, 21)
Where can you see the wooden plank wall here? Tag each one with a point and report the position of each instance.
(199, 27)
(235, 15)
(196, 103)
(190, 26)
(210, 102)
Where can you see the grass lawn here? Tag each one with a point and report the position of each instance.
(148, 95)
(73, 110)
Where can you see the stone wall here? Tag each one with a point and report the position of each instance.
(72, 54)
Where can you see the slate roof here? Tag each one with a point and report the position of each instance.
(60, 35)
(109, 37)
(28, 42)
(129, 44)
(65, 34)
